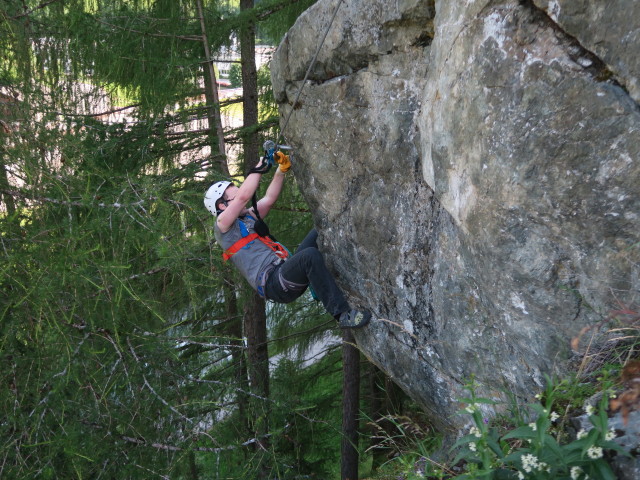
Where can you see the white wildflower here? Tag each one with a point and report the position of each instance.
(575, 473)
(610, 435)
(472, 446)
(554, 416)
(520, 475)
(533, 426)
(529, 462)
(595, 452)
(582, 434)
(590, 410)
(475, 431)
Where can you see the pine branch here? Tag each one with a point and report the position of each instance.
(29, 12)
(152, 390)
(220, 60)
(196, 38)
(173, 448)
(271, 10)
(69, 203)
(100, 114)
(201, 131)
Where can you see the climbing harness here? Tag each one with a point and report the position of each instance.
(248, 238)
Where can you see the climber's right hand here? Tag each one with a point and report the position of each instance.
(283, 160)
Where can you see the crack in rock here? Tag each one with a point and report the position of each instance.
(590, 62)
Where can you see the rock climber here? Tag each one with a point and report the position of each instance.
(268, 267)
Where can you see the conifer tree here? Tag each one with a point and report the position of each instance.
(107, 292)
(120, 325)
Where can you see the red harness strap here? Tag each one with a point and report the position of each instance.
(279, 250)
(239, 245)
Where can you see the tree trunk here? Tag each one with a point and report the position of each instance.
(234, 331)
(5, 197)
(5, 132)
(255, 319)
(213, 100)
(249, 86)
(350, 406)
(255, 329)
(193, 468)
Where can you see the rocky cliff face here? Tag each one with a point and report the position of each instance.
(473, 169)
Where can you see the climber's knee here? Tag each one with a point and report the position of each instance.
(311, 257)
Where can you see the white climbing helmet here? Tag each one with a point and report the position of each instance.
(213, 195)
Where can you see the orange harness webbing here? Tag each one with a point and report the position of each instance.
(239, 245)
(279, 250)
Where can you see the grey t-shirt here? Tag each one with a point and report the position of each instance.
(253, 258)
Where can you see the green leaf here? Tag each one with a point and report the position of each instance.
(464, 441)
(520, 432)
(487, 401)
(609, 445)
(494, 446)
(549, 442)
(466, 454)
(603, 470)
(514, 458)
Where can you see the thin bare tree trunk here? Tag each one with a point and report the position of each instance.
(8, 200)
(255, 330)
(235, 334)
(255, 319)
(350, 406)
(211, 95)
(249, 85)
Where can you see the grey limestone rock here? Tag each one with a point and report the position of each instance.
(473, 168)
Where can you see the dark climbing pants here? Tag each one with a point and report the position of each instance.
(290, 279)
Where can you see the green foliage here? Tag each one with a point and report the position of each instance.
(280, 16)
(305, 421)
(235, 75)
(411, 459)
(537, 450)
(120, 326)
(532, 444)
(95, 272)
(311, 416)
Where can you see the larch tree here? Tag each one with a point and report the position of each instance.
(121, 328)
(111, 327)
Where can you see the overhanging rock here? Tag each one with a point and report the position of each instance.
(473, 170)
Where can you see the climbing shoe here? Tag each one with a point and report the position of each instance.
(353, 319)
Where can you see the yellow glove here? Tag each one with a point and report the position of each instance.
(283, 161)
